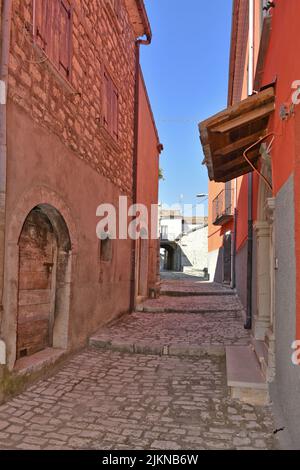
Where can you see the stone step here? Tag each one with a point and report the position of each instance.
(244, 376)
(181, 293)
(145, 309)
(156, 348)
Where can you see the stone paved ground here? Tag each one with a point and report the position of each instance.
(185, 284)
(111, 399)
(151, 332)
(207, 303)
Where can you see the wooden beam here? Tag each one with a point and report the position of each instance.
(240, 145)
(251, 103)
(243, 170)
(234, 166)
(245, 118)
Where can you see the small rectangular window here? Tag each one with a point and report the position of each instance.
(164, 232)
(106, 251)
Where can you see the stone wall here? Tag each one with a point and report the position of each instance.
(72, 109)
(194, 246)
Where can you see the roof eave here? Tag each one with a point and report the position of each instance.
(139, 18)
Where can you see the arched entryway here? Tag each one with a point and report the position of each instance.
(41, 251)
(37, 278)
(170, 253)
(43, 282)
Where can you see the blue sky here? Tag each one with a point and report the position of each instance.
(186, 71)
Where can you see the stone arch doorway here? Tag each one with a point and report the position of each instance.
(37, 277)
(59, 214)
(171, 256)
(263, 329)
(43, 287)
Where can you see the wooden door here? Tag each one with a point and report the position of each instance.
(144, 264)
(227, 259)
(36, 299)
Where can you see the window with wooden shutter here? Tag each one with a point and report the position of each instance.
(115, 112)
(53, 16)
(117, 7)
(53, 32)
(40, 22)
(110, 106)
(64, 38)
(106, 100)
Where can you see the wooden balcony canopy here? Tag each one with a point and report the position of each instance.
(228, 134)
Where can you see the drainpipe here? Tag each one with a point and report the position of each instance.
(248, 324)
(234, 241)
(4, 61)
(138, 43)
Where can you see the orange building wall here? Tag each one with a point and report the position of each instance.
(297, 218)
(215, 234)
(282, 63)
(148, 170)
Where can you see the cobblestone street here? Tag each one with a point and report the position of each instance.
(151, 383)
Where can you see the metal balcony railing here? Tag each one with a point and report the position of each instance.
(223, 207)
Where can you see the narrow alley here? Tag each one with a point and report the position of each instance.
(155, 379)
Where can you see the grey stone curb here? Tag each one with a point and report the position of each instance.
(159, 349)
(141, 309)
(170, 293)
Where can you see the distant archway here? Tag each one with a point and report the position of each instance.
(170, 258)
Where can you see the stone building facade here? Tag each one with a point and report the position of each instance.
(68, 144)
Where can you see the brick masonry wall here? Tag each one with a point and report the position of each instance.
(73, 110)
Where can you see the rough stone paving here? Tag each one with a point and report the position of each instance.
(109, 399)
(182, 333)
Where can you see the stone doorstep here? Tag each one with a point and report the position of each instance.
(158, 348)
(35, 363)
(244, 376)
(171, 293)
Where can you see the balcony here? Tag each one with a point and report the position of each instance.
(223, 207)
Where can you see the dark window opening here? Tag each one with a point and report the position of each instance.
(106, 251)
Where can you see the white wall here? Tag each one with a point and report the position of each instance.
(194, 247)
(174, 227)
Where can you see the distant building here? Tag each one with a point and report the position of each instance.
(183, 241)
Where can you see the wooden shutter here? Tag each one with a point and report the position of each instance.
(117, 7)
(106, 100)
(40, 22)
(54, 20)
(115, 113)
(65, 37)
